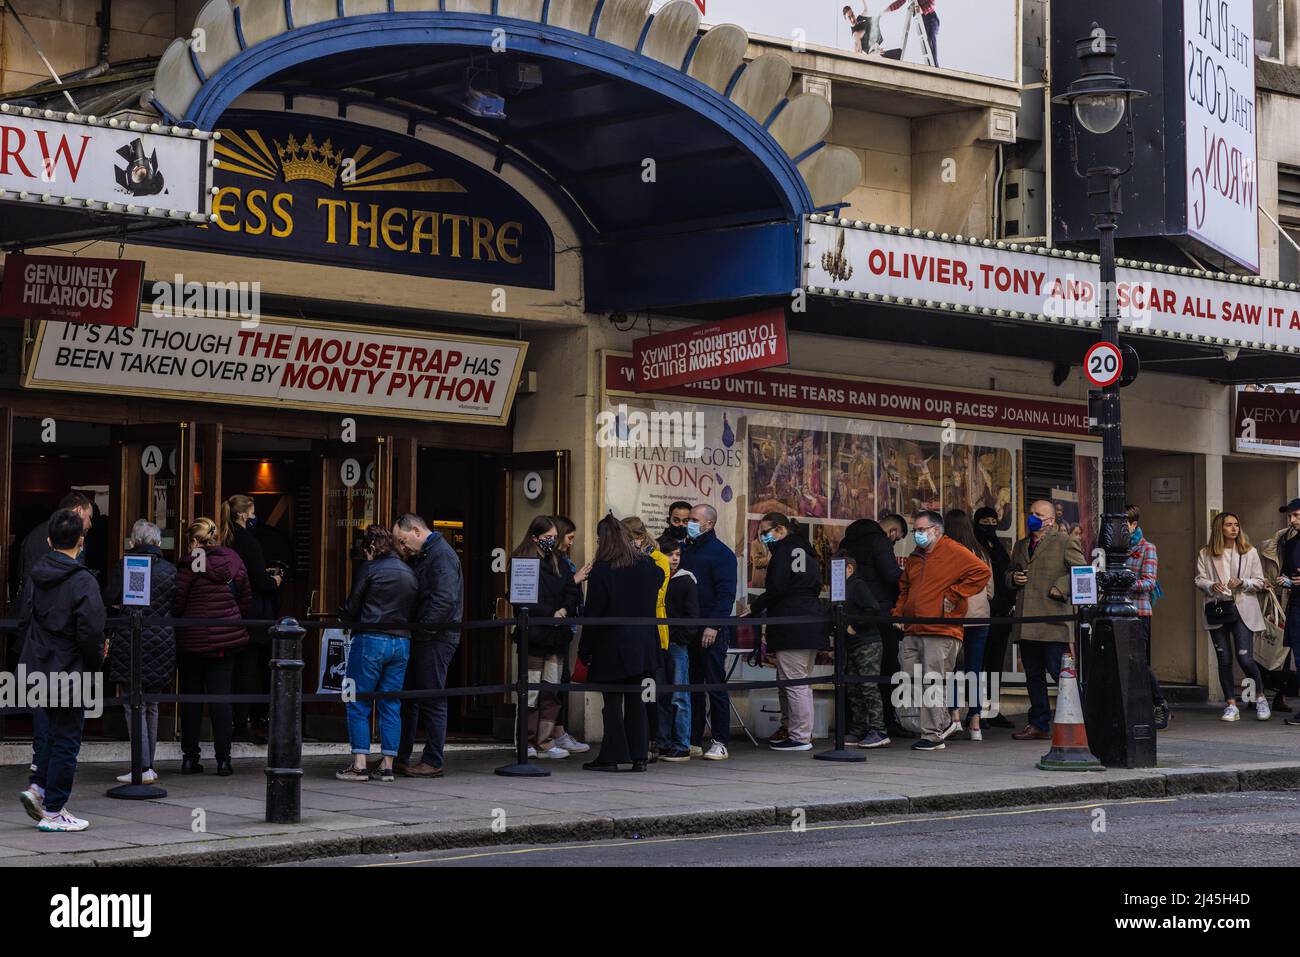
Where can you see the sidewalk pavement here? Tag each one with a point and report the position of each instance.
(755, 788)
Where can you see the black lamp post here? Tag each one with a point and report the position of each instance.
(1118, 709)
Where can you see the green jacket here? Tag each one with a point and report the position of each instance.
(1049, 567)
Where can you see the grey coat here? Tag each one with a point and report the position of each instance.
(1049, 567)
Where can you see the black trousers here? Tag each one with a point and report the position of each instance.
(252, 676)
(626, 732)
(426, 669)
(202, 675)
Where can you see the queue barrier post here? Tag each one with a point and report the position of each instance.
(284, 749)
(137, 790)
(521, 768)
(840, 752)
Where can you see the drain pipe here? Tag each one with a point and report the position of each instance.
(104, 20)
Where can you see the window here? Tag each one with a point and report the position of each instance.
(1288, 257)
(1268, 29)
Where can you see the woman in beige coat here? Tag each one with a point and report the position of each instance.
(1229, 568)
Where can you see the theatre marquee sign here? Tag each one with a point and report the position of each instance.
(324, 367)
(910, 268)
(309, 189)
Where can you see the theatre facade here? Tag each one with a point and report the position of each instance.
(430, 237)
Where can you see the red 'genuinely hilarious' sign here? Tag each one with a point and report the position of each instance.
(104, 291)
(395, 372)
(860, 398)
(729, 347)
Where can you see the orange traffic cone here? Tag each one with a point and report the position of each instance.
(1070, 750)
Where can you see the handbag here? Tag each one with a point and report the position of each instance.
(1222, 612)
(1271, 648)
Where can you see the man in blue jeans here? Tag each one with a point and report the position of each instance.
(434, 639)
(61, 622)
(714, 566)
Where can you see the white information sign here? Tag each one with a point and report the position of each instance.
(1083, 585)
(525, 575)
(137, 579)
(837, 579)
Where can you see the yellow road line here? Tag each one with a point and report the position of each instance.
(918, 819)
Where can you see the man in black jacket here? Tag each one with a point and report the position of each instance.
(37, 544)
(61, 619)
(435, 636)
(872, 546)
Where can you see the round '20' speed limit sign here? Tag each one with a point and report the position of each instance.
(1103, 364)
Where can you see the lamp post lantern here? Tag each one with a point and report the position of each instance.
(1118, 708)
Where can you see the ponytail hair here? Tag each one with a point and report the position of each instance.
(235, 505)
(204, 532)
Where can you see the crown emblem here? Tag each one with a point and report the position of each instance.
(306, 160)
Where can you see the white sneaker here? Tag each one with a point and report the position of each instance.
(63, 821)
(148, 776)
(532, 751)
(552, 752)
(697, 751)
(1230, 713)
(1262, 712)
(976, 734)
(33, 802)
(571, 744)
(716, 752)
(949, 731)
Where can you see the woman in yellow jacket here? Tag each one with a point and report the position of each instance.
(658, 711)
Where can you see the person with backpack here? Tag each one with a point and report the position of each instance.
(863, 648)
(157, 641)
(61, 618)
(211, 583)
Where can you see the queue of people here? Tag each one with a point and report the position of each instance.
(406, 605)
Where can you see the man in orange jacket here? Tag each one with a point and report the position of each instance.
(938, 577)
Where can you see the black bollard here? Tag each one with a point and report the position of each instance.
(284, 752)
(840, 753)
(137, 790)
(521, 768)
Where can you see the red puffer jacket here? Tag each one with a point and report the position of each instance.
(220, 591)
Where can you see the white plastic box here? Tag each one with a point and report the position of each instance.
(765, 714)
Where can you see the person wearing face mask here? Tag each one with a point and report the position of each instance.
(716, 574)
(939, 579)
(679, 514)
(794, 584)
(655, 710)
(1280, 556)
(1004, 598)
(1144, 561)
(1040, 576)
(558, 598)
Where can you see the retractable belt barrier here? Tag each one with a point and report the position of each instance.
(284, 757)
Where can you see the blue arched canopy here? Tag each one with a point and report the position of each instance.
(683, 196)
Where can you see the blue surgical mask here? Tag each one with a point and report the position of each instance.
(693, 529)
(767, 538)
(922, 537)
(1033, 523)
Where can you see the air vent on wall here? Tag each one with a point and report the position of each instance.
(1048, 466)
